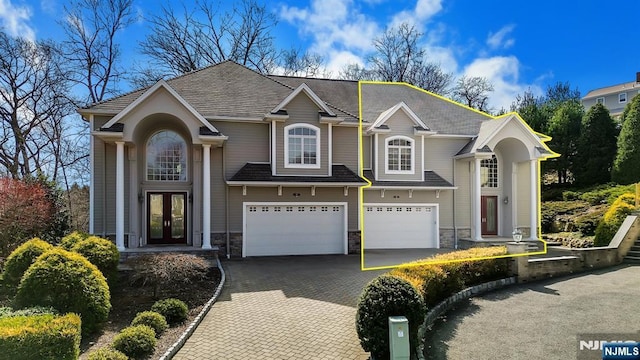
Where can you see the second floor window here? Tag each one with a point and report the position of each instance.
(302, 146)
(489, 172)
(166, 157)
(400, 155)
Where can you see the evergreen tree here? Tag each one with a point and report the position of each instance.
(564, 125)
(596, 148)
(626, 169)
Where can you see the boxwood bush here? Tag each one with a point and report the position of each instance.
(387, 296)
(19, 261)
(102, 253)
(69, 241)
(175, 311)
(153, 320)
(613, 218)
(42, 337)
(67, 282)
(107, 353)
(136, 342)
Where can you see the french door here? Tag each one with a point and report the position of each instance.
(489, 215)
(167, 218)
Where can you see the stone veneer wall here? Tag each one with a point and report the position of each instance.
(235, 242)
(353, 242)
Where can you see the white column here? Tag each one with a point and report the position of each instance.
(534, 199)
(477, 201)
(120, 195)
(206, 196)
(92, 198)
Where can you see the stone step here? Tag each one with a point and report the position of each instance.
(632, 259)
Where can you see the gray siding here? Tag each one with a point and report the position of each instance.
(259, 194)
(611, 101)
(367, 151)
(524, 194)
(302, 110)
(345, 146)
(400, 124)
(98, 185)
(218, 185)
(248, 142)
(463, 193)
(438, 154)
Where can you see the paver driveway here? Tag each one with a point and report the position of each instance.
(299, 307)
(541, 320)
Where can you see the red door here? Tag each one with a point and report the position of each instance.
(489, 215)
(167, 218)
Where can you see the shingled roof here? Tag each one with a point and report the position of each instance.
(431, 180)
(260, 173)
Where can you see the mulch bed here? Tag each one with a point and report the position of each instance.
(128, 299)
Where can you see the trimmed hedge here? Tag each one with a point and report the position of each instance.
(107, 353)
(19, 261)
(67, 282)
(386, 296)
(6, 312)
(613, 218)
(175, 311)
(69, 241)
(137, 342)
(42, 337)
(153, 320)
(102, 253)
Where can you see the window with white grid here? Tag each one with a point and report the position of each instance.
(166, 157)
(399, 155)
(302, 146)
(489, 172)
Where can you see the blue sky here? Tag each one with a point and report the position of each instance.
(516, 44)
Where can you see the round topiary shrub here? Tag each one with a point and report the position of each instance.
(20, 260)
(67, 282)
(102, 253)
(107, 353)
(136, 342)
(69, 241)
(175, 311)
(153, 320)
(386, 296)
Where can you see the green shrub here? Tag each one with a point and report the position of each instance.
(552, 209)
(42, 337)
(174, 311)
(69, 241)
(102, 253)
(136, 342)
(36, 310)
(67, 282)
(578, 243)
(570, 195)
(613, 218)
(588, 222)
(107, 353)
(607, 193)
(152, 319)
(20, 260)
(387, 296)
(167, 270)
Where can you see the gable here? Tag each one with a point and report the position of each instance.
(300, 90)
(397, 111)
(511, 126)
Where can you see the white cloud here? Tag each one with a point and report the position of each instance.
(418, 16)
(338, 60)
(503, 72)
(14, 20)
(501, 38)
(49, 6)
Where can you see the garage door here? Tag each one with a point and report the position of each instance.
(294, 229)
(400, 226)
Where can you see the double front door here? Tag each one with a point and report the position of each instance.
(167, 217)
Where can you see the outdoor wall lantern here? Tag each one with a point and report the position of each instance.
(505, 200)
(517, 235)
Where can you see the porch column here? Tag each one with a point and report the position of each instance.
(206, 196)
(534, 199)
(477, 211)
(120, 195)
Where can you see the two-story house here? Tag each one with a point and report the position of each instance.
(615, 98)
(273, 165)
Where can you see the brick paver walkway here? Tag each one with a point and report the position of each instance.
(283, 308)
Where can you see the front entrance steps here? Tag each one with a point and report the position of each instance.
(532, 245)
(633, 256)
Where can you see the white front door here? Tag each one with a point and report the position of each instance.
(294, 229)
(401, 226)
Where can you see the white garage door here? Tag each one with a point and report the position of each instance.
(400, 226)
(294, 229)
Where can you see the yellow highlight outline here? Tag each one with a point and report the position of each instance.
(543, 140)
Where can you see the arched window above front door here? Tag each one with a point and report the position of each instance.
(166, 157)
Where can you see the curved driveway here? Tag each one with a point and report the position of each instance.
(541, 320)
(299, 307)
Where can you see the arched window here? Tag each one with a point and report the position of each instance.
(302, 146)
(489, 172)
(166, 157)
(399, 151)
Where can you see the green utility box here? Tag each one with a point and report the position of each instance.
(399, 338)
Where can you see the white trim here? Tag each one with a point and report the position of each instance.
(385, 115)
(206, 196)
(234, 118)
(303, 87)
(477, 206)
(146, 162)
(148, 93)
(287, 165)
(120, 195)
(273, 148)
(534, 138)
(292, 184)
(386, 155)
(375, 154)
(598, 98)
(437, 219)
(423, 162)
(416, 188)
(92, 195)
(534, 200)
(276, 203)
(330, 148)
(452, 136)
(625, 98)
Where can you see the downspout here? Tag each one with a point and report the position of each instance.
(455, 229)
(226, 201)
